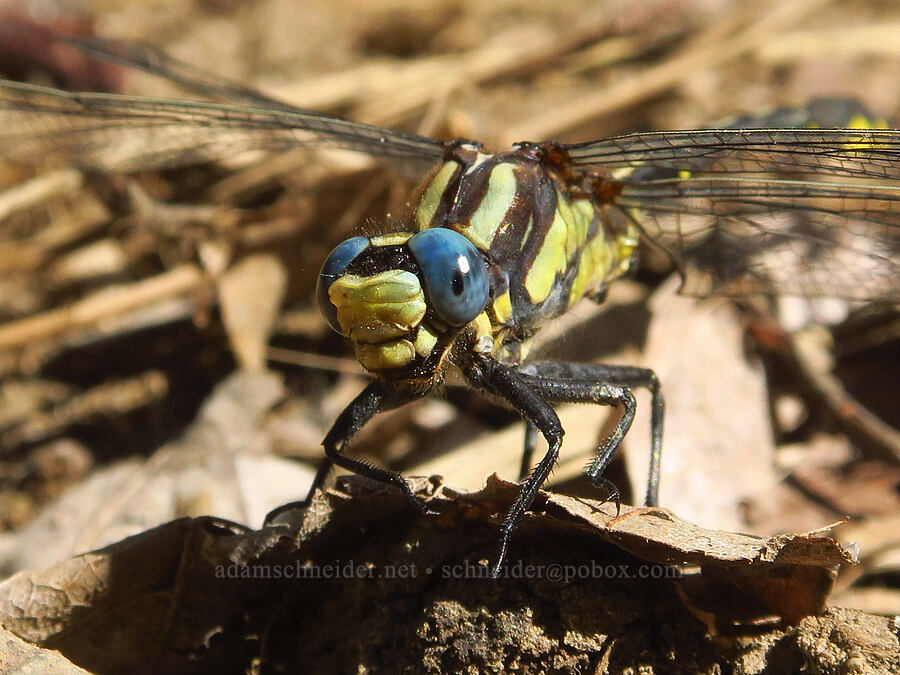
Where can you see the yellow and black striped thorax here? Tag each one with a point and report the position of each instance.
(547, 242)
(504, 243)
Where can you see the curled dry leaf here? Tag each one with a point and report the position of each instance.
(201, 594)
(788, 575)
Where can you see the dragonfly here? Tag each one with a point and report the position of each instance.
(800, 201)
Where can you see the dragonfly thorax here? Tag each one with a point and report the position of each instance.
(547, 243)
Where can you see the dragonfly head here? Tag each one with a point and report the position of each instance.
(402, 298)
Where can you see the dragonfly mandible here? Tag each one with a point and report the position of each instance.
(803, 202)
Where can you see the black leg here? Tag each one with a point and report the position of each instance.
(566, 390)
(529, 393)
(576, 382)
(489, 375)
(373, 399)
(318, 481)
(321, 477)
(531, 433)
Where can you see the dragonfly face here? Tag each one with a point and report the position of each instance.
(404, 299)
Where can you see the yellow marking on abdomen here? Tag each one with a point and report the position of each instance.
(602, 259)
(593, 267)
(863, 122)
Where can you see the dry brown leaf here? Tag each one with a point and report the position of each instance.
(787, 575)
(201, 594)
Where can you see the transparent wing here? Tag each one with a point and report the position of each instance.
(127, 133)
(837, 152)
(740, 235)
(802, 209)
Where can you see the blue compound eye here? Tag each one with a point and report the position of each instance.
(454, 274)
(333, 267)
